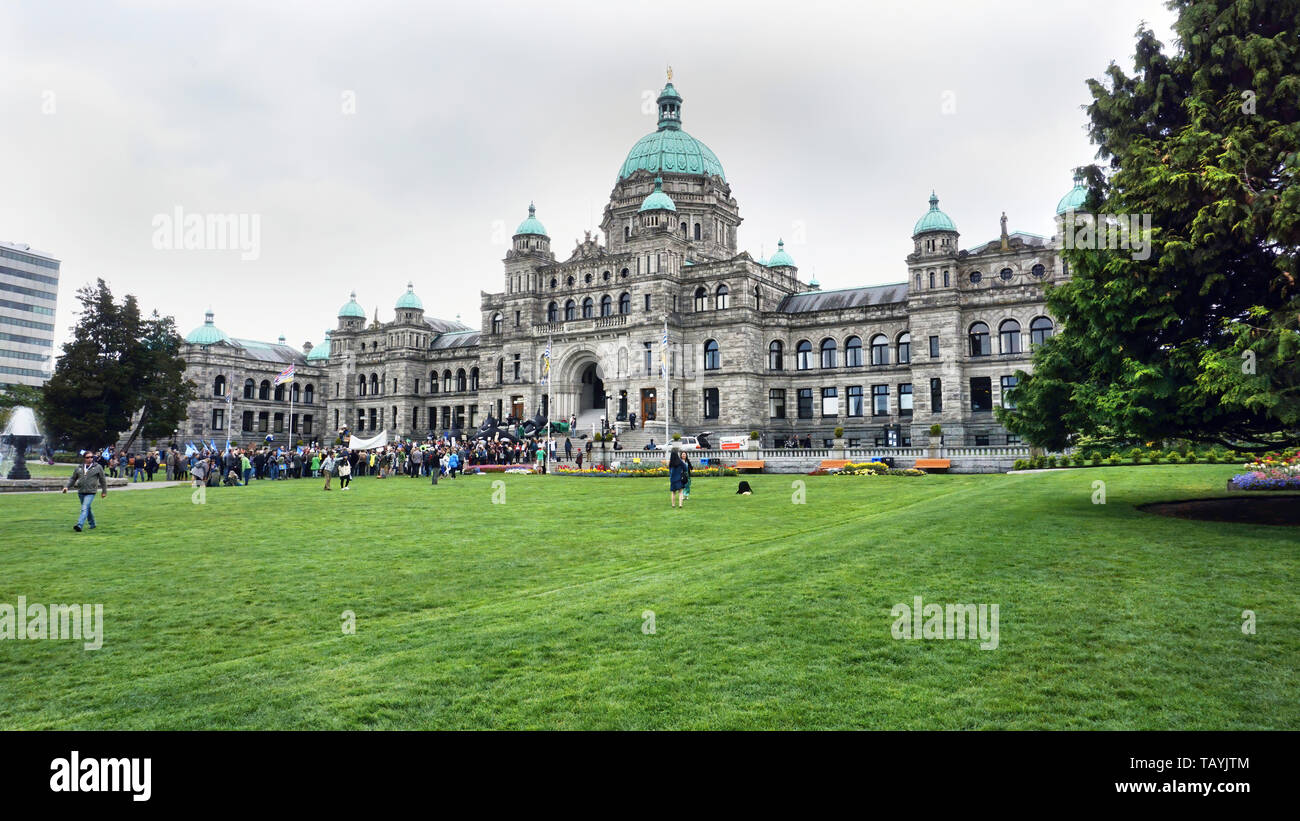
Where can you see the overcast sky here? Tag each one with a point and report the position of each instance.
(377, 142)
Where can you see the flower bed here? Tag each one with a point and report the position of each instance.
(1272, 471)
(636, 472)
(876, 469)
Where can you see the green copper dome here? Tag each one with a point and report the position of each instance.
(670, 150)
(658, 200)
(934, 219)
(780, 259)
(531, 225)
(409, 299)
(352, 309)
(1075, 198)
(207, 333)
(321, 351)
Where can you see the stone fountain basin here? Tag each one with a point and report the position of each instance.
(53, 483)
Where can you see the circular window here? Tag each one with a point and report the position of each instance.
(587, 279)
(569, 281)
(975, 277)
(1005, 273)
(1038, 270)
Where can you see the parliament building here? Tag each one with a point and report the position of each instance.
(752, 346)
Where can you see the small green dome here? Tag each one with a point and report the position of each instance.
(352, 309)
(780, 259)
(207, 333)
(409, 299)
(934, 219)
(321, 351)
(1074, 198)
(658, 200)
(531, 225)
(670, 150)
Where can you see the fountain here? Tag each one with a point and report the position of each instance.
(22, 433)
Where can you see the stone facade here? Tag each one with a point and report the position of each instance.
(752, 346)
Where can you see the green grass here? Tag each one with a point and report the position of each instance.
(768, 614)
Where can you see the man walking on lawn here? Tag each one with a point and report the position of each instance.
(88, 477)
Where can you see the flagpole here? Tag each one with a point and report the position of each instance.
(667, 408)
(546, 384)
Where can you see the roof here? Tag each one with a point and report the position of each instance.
(842, 298)
(409, 299)
(270, 352)
(1074, 198)
(1024, 236)
(455, 339)
(780, 259)
(444, 326)
(934, 219)
(658, 200)
(321, 351)
(670, 150)
(352, 308)
(207, 333)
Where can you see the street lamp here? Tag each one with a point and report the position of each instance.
(604, 434)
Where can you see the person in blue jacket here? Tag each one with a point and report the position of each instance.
(678, 476)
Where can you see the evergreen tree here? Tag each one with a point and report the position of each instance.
(115, 366)
(1198, 340)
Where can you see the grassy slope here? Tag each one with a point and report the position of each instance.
(768, 614)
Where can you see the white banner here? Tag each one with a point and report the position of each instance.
(357, 443)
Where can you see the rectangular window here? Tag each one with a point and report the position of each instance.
(936, 396)
(361, 420)
(649, 357)
(854, 400)
(879, 400)
(278, 427)
(218, 419)
(248, 421)
(516, 367)
(981, 440)
(517, 319)
(805, 403)
(1013, 439)
(374, 421)
(934, 347)
(981, 394)
(830, 402)
(905, 399)
(306, 424)
(1008, 384)
(710, 403)
(647, 303)
(776, 403)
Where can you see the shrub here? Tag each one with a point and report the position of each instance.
(839, 433)
(1020, 464)
(753, 435)
(1192, 458)
(1078, 460)
(1135, 455)
(1157, 457)
(1096, 458)
(1175, 458)
(1039, 462)
(1113, 459)
(677, 437)
(936, 429)
(1051, 461)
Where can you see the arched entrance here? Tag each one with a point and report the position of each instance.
(591, 395)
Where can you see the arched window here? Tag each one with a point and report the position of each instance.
(879, 350)
(295, 393)
(776, 356)
(552, 313)
(979, 340)
(588, 308)
(279, 393)
(374, 384)
(712, 357)
(697, 231)
(250, 388)
(904, 348)
(361, 385)
(606, 305)
(460, 380)
(570, 311)
(853, 352)
(684, 230)
(918, 282)
(219, 386)
(721, 302)
(473, 379)
(446, 381)
(701, 298)
(496, 323)
(829, 349)
(932, 279)
(625, 303)
(433, 379)
(1009, 336)
(309, 394)
(1039, 330)
(803, 355)
(758, 297)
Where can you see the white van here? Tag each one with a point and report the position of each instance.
(688, 443)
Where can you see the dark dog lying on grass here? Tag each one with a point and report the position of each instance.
(744, 489)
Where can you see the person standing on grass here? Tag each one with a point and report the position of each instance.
(245, 467)
(677, 477)
(345, 474)
(433, 462)
(87, 478)
(327, 468)
(686, 488)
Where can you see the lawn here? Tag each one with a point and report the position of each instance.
(767, 614)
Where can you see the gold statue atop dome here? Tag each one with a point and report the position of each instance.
(670, 74)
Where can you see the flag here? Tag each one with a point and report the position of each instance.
(213, 443)
(286, 375)
(189, 449)
(546, 362)
(663, 352)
